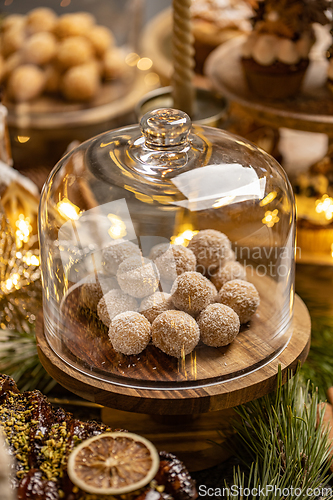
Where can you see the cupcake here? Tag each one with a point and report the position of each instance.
(275, 55)
(216, 21)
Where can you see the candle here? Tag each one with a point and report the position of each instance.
(183, 57)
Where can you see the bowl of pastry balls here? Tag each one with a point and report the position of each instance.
(175, 299)
(65, 76)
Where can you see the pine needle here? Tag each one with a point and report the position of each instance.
(19, 359)
(279, 435)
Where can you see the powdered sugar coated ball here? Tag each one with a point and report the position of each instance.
(116, 252)
(158, 250)
(129, 333)
(230, 271)
(176, 260)
(211, 249)
(219, 325)
(242, 297)
(192, 292)
(155, 304)
(115, 302)
(175, 332)
(138, 277)
(94, 288)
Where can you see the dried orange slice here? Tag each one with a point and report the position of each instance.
(113, 463)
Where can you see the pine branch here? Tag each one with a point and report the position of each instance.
(19, 359)
(280, 436)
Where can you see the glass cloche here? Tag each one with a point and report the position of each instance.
(167, 255)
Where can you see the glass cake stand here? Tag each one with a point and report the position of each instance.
(311, 110)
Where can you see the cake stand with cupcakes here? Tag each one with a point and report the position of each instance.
(279, 76)
(168, 289)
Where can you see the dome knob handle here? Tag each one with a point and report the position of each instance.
(165, 127)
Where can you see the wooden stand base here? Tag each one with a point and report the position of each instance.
(184, 401)
(192, 423)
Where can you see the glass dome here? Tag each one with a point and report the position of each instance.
(109, 212)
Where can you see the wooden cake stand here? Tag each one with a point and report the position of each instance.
(311, 110)
(178, 416)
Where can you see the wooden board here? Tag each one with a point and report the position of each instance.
(179, 397)
(311, 110)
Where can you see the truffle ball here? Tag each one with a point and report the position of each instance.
(116, 252)
(12, 40)
(74, 51)
(40, 48)
(242, 297)
(93, 289)
(192, 292)
(114, 64)
(175, 332)
(157, 250)
(80, 83)
(41, 19)
(219, 325)
(155, 304)
(12, 62)
(74, 24)
(115, 302)
(176, 260)
(13, 21)
(211, 249)
(26, 82)
(138, 277)
(129, 333)
(230, 271)
(100, 38)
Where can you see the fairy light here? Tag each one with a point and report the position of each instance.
(325, 206)
(118, 227)
(144, 64)
(68, 210)
(23, 230)
(268, 199)
(271, 218)
(183, 238)
(22, 139)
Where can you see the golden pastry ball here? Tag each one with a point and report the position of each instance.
(13, 21)
(74, 24)
(114, 64)
(80, 83)
(40, 48)
(74, 51)
(12, 40)
(41, 19)
(101, 39)
(26, 82)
